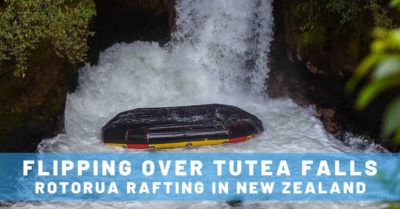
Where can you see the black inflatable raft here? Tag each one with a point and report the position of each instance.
(172, 127)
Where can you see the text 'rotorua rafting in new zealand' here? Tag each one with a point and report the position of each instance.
(185, 126)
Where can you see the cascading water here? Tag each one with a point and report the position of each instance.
(218, 55)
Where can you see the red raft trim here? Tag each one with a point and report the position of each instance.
(138, 146)
(239, 139)
(232, 140)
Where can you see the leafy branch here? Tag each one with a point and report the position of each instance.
(25, 24)
(382, 69)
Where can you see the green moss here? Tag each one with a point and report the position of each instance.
(16, 120)
(308, 14)
(318, 22)
(41, 41)
(25, 24)
(7, 83)
(10, 121)
(314, 14)
(344, 10)
(354, 48)
(29, 106)
(317, 36)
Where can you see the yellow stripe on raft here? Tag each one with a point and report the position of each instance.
(116, 145)
(188, 144)
(204, 142)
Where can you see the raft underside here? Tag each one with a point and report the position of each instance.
(196, 143)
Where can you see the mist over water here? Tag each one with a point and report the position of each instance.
(217, 55)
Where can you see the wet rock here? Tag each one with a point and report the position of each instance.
(235, 203)
(31, 108)
(128, 21)
(172, 16)
(315, 74)
(327, 115)
(316, 36)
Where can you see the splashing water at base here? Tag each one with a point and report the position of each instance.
(217, 55)
(199, 205)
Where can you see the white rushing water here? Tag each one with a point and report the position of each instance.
(218, 55)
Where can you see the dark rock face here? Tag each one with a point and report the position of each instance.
(31, 108)
(316, 38)
(316, 75)
(128, 21)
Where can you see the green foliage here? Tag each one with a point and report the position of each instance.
(395, 3)
(382, 68)
(379, 14)
(393, 206)
(316, 37)
(350, 10)
(312, 12)
(347, 10)
(25, 24)
(343, 11)
(392, 120)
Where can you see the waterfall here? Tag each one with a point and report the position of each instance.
(219, 54)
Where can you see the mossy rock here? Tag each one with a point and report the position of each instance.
(31, 108)
(329, 40)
